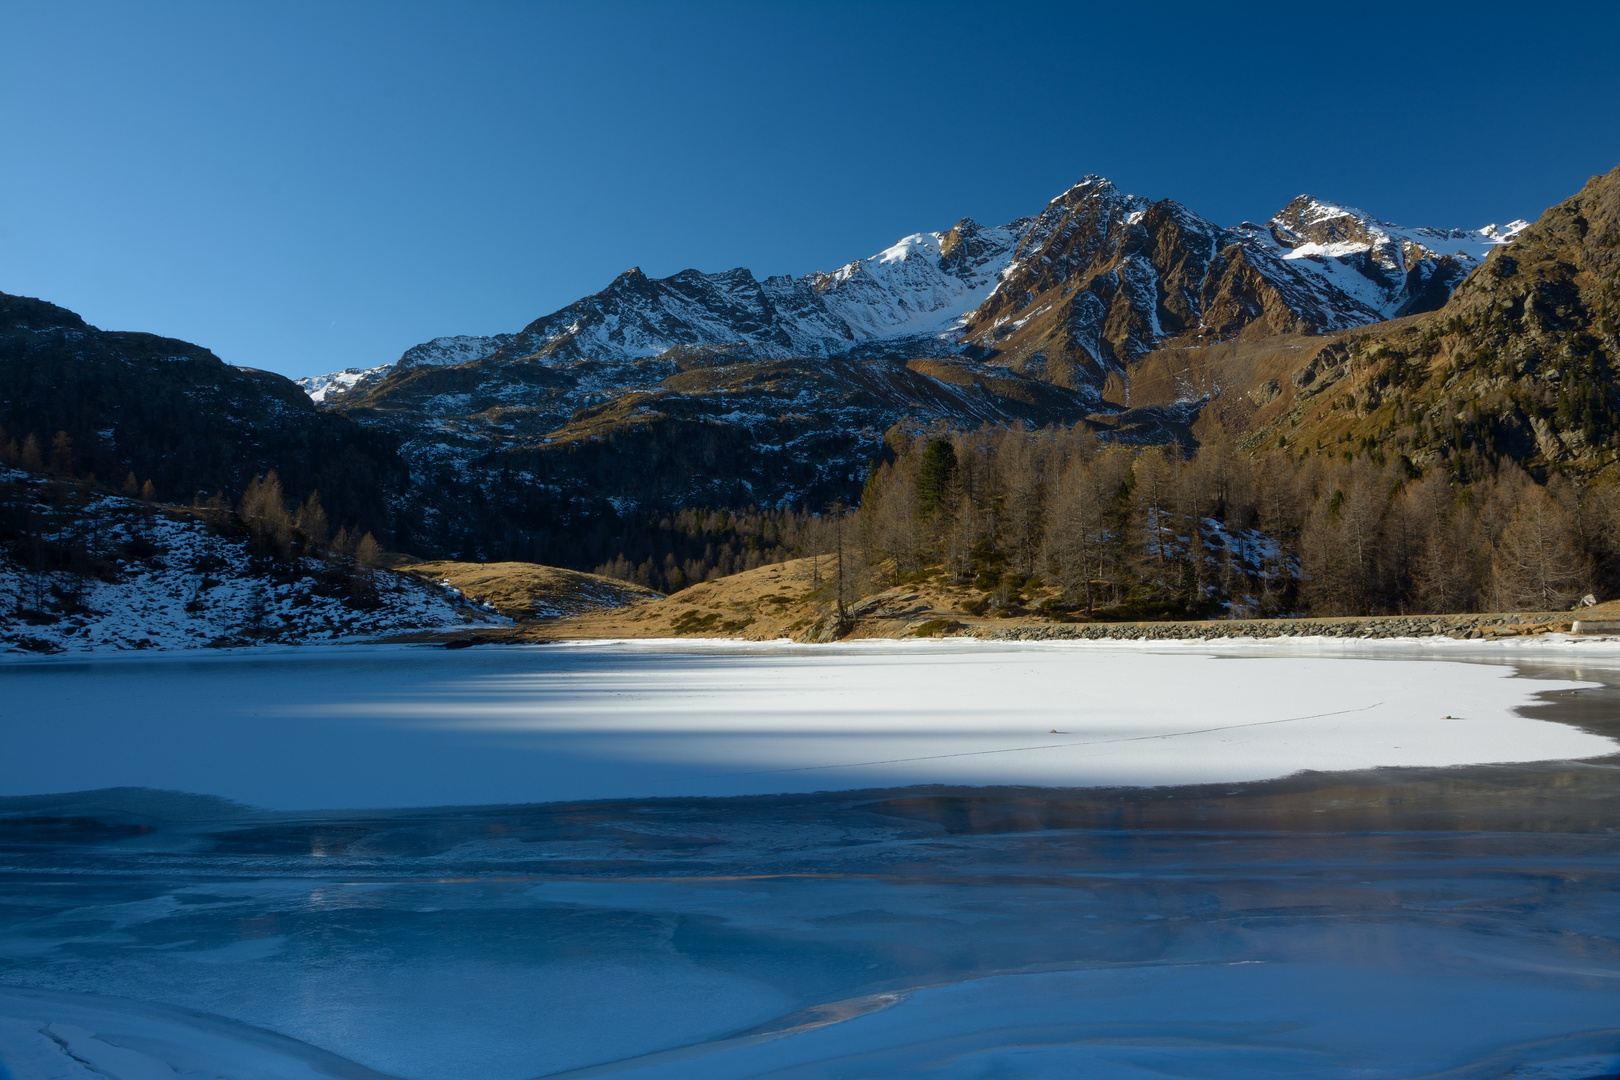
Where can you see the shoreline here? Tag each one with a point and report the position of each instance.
(1364, 628)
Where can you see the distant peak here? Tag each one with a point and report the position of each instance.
(1095, 191)
(1092, 181)
(1308, 209)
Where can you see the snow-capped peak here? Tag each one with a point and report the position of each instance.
(1379, 266)
(919, 285)
(1315, 227)
(1505, 234)
(911, 246)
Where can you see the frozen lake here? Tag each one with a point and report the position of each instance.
(1367, 861)
(394, 727)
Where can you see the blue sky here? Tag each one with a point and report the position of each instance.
(304, 187)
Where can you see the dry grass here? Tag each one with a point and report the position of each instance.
(525, 591)
(783, 600)
(795, 600)
(762, 604)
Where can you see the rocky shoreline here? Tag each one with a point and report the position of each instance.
(1461, 627)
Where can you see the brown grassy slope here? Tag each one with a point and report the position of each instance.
(1250, 385)
(795, 600)
(524, 591)
(768, 602)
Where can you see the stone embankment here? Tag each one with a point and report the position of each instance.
(1468, 627)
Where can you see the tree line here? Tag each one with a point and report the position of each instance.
(59, 539)
(670, 551)
(1112, 531)
(1129, 532)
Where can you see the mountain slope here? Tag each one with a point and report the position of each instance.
(723, 390)
(175, 414)
(84, 571)
(1520, 363)
(1104, 278)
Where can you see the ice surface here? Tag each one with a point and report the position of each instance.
(1363, 923)
(401, 726)
(1452, 922)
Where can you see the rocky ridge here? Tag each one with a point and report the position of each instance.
(173, 413)
(1148, 272)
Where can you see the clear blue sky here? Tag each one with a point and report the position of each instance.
(304, 187)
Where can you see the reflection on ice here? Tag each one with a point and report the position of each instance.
(1456, 922)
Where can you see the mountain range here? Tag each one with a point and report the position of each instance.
(723, 389)
(1071, 295)
(1323, 330)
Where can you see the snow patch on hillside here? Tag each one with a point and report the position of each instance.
(322, 388)
(906, 289)
(169, 580)
(453, 350)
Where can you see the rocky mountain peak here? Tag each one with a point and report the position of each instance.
(1090, 187)
(960, 241)
(1520, 363)
(1309, 220)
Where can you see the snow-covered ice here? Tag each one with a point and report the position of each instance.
(1363, 922)
(401, 726)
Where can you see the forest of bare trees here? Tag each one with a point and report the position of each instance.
(1131, 532)
(60, 535)
(670, 551)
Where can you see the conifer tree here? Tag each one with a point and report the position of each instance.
(368, 553)
(310, 519)
(61, 463)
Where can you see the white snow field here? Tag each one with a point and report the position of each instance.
(1354, 923)
(400, 726)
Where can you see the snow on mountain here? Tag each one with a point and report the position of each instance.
(450, 351)
(440, 352)
(1383, 267)
(638, 317)
(1148, 272)
(925, 284)
(1313, 227)
(321, 388)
